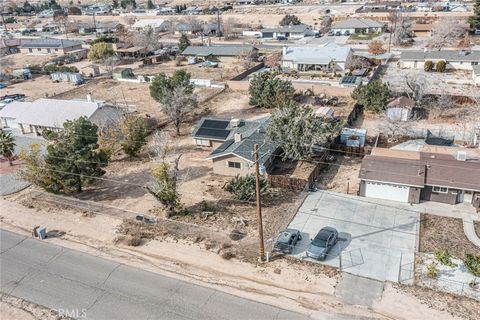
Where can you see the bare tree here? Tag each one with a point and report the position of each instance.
(393, 129)
(109, 63)
(228, 28)
(147, 39)
(402, 33)
(447, 33)
(358, 62)
(246, 59)
(177, 104)
(416, 87)
(438, 106)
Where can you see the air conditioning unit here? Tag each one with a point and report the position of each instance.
(461, 155)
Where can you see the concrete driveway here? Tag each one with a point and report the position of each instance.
(377, 241)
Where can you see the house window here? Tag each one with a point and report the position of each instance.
(202, 142)
(39, 49)
(48, 50)
(440, 189)
(30, 50)
(236, 165)
(56, 49)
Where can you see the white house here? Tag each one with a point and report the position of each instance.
(400, 109)
(358, 26)
(328, 57)
(157, 25)
(455, 59)
(34, 117)
(287, 32)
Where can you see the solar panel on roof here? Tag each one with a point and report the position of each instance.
(212, 133)
(215, 124)
(223, 146)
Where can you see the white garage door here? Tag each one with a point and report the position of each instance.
(386, 191)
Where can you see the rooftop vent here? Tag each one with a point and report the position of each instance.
(237, 137)
(235, 123)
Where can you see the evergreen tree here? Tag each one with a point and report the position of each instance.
(298, 131)
(183, 42)
(134, 135)
(475, 19)
(150, 5)
(267, 91)
(73, 157)
(290, 20)
(115, 4)
(373, 96)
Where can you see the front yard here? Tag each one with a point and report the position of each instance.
(364, 36)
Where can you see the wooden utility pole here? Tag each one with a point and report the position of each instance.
(261, 247)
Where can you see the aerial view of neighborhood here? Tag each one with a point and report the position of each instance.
(240, 159)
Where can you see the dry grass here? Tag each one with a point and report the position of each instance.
(445, 233)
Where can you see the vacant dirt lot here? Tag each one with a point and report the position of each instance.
(336, 175)
(444, 233)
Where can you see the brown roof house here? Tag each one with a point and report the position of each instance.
(400, 109)
(233, 142)
(450, 175)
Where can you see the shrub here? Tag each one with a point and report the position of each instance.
(441, 66)
(54, 68)
(228, 255)
(472, 263)
(444, 257)
(432, 270)
(428, 66)
(134, 241)
(243, 188)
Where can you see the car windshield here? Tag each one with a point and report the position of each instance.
(284, 237)
(317, 242)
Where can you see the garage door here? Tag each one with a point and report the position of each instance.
(386, 191)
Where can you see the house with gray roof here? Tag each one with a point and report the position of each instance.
(233, 141)
(36, 116)
(327, 57)
(50, 46)
(287, 32)
(218, 53)
(455, 59)
(355, 25)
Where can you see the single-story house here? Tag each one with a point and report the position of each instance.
(287, 32)
(233, 142)
(36, 116)
(455, 59)
(400, 109)
(157, 25)
(50, 46)
(194, 10)
(123, 51)
(217, 53)
(476, 74)
(422, 29)
(443, 174)
(9, 46)
(328, 57)
(92, 70)
(356, 25)
(384, 6)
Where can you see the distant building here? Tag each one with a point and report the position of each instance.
(50, 46)
(157, 25)
(9, 46)
(36, 116)
(455, 59)
(329, 57)
(380, 6)
(355, 25)
(287, 32)
(218, 53)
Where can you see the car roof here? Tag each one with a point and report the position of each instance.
(325, 233)
(286, 234)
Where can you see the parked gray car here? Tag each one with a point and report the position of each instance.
(286, 240)
(322, 243)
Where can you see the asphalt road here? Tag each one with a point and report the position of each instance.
(95, 288)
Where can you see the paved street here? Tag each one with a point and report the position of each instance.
(60, 278)
(376, 241)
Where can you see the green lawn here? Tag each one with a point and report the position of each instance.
(360, 36)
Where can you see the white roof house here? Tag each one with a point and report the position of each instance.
(327, 56)
(155, 24)
(52, 114)
(356, 25)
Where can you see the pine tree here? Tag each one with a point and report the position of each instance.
(267, 91)
(150, 5)
(73, 158)
(183, 42)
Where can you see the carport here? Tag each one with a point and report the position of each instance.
(377, 241)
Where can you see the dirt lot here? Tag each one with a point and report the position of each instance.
(442, 232)
(38, 87)
(336, 175)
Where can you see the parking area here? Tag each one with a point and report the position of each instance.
(375, 240)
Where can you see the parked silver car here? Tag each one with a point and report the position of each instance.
(322, 243)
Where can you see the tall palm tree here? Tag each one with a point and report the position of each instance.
(7, 145)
